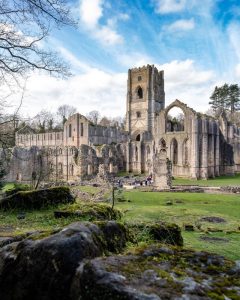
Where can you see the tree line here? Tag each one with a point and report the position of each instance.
(225, 98)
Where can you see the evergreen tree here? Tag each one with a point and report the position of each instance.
(226, 97)
(233, 102)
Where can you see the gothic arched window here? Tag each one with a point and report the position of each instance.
(139, 93)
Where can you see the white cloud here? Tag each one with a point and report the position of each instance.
(181, 25)
(94, 89)
(237, 71)
(233, 32)
(184, 81)
(169, 6)
(91, 12)
(133, 59)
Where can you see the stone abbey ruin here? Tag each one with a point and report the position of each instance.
(199, 146)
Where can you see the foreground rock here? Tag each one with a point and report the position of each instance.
(37, 199)
(44, 269)
(166, 233)
(89, 211)
(158, 273)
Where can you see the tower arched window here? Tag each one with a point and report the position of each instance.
(139, 93)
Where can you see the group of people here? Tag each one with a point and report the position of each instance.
(146, 182)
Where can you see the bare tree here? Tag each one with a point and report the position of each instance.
(43, 121)
(65, 111)
(94, 116)
(24, 24)
(105, 122)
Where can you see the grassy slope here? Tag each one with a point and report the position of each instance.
(218, 181)
(147, 206)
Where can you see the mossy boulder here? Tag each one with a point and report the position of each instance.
(89, 211)
(37, 199)
(45, 268)
(157, 273)
(18, 187)
(167, 233)
(116, 235)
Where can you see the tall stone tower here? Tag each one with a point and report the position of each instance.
(145, 97)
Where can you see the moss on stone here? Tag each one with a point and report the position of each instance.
(90, 212)
(37, 199)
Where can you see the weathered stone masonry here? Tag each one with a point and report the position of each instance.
(198, 147)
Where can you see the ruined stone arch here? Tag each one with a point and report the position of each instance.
(136, 136)
(174, 151)
(185, 152)
(179, 124)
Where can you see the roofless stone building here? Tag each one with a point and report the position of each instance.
(198, 146)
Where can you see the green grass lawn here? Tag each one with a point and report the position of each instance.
(7, 186)
(218, 181)
(189, 208)
(88, 189)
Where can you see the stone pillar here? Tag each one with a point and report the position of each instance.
(217, 152)
(128, 149)
(162, 170)
(211, 153)
(204, 166)
(195, 150)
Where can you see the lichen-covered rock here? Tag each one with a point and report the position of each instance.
(43, 269)
(167, 233)
(116, 235)
(90, 212)
(157, 273)
(37, 199)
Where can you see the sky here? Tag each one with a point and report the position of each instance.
(195, 42)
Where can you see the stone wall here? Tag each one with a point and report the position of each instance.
(63, 163)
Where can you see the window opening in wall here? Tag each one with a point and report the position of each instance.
(81, 129)
(175, 120)
(138, 114)
(38, 137)
(139, 93)
(162, 144)
(70, 130)
(138, 138)
(58, 137)
(174, 152)
(139, 78)
(60, 168)
(60, 151)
